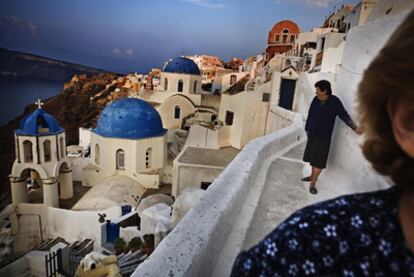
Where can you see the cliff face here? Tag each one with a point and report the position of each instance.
(18, 64)
(77, 105)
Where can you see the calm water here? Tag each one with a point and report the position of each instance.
(18, 93)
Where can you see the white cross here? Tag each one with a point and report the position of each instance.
(39, 104)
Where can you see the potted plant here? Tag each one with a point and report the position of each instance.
(135, 244)
(119, 245)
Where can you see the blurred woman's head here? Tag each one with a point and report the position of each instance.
(386, 107)
(324, 86)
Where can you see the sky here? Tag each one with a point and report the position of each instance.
(137, 35)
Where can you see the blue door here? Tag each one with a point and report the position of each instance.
(112, 232)
(287, 93)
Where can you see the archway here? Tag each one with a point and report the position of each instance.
(30, 187)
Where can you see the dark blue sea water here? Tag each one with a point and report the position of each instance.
(16, 93)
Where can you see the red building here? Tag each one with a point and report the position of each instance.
(281, 38)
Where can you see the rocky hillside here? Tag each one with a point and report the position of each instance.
(77, 105)
(19, 64)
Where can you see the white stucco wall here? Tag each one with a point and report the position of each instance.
(222, 82)
(84, 137)
(37, 222)
(167, 110)
(186, 176)
(188, 82)
(79, 225)
(356, 172)
(249, 119)
(200, 136)
(135, 157)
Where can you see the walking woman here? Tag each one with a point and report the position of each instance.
(319, 127)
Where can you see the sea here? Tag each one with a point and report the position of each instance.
(17, 93)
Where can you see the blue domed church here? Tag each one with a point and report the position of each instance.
(179, 91)
(129, 140)
(41, 162)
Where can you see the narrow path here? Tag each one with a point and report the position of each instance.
(283, 193)
(275, 194)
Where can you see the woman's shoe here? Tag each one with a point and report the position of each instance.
(313, 190)
(306, 179)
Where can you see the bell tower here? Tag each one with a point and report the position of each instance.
(41, 162)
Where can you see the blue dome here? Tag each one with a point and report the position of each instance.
(182, 65)
(39, 123)
(129, 118)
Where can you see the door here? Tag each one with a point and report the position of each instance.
(287, 93)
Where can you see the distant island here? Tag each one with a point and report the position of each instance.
(19, 64)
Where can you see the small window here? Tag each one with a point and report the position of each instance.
(97, 154)
(177, 112)
(180, 86)
(62, 148)
(205, 185)
(265, 97)
(17, 150)
(46, 150)
(292, 38)
(323, 44)
(165, 84)
(285, 31)
(285, 38)
(148, 158)
(28, 151)
(195, 87)
(120, 159)
(277, 38)
(233, 79)
(229, 118)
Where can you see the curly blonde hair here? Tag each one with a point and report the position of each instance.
(390, 75)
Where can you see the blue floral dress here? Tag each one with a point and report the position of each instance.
(353, 235)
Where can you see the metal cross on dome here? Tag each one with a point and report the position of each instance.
(39, 104)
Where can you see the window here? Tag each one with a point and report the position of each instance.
(17, 150)
(292, 38)
(62, 148)
(323, 44)
(265, 97)
(277, 38)
(165, 84)
(180, 86)
(177, 111)
(28, 151)
(195, 86)
(97, 154)
(233, 79)
(120, 159)
(148, 158)
(285, 31)
(46, 150)
(229, 118)
(205, 185)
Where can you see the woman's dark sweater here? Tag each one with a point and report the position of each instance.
(321, 117)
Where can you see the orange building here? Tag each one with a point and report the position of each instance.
(281, 38)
